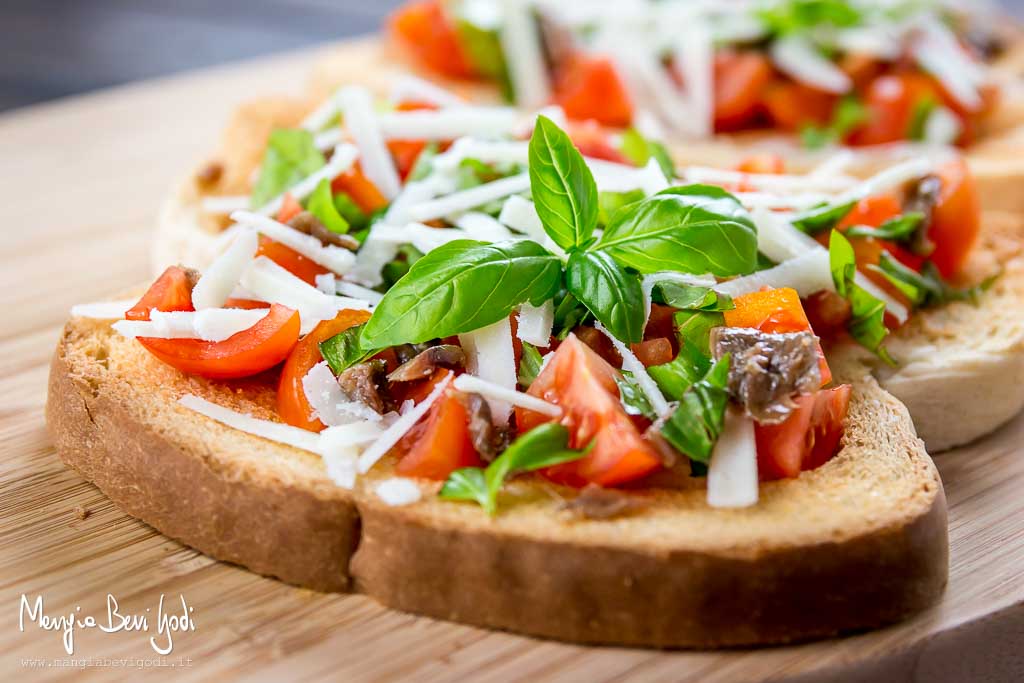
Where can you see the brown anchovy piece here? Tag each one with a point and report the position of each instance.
(425, 362)
(595, 502)
(767, 370)
(361, 382)
(309, 224)
(488, 439)
(922, 198)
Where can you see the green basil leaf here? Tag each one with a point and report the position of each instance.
(927, 288)
(321, 205)
(847, 115)
(691, 297)
(609, 292)
(695, 425)
(922, 109)
(610, 202)
(460, 287)
(482, 48)
(899, 229)
(569, 313)
(529, 365)
(640, 149)
(633, 400)
(679, 374)
(695, 327)
(563, 188)
(821, 218)
(693, 229)
(798, 16)
(867, 314)
(396, 269)
(541, 447)
(350, 211)
(291, 155)
(466, 483)
(343, 350)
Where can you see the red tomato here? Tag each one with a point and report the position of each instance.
(357, 186)
(861, 68)
(291, 260)
(891, 101)
(290, 208)
(740, 79)
(250, 304)
(292, 405)
(762, 163)
(871, 211)
(246, 353)
(441, 443)
(807, 439)
(660, 324)
(653, 351)
(827, 312)
(583, 384)
(172, 291)
(956, 218)
(424, 29)
(791, 106)
(587, 87)
(775, 311)
(593, 141)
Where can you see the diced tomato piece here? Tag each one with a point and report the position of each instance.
(740, 79)
(405, 153)
(775, 311)
(827, 312)
(593, 141)
(440, 444)
(172, 291)
(807, 439)
(246, 353)
(290, 208)
(583, 384)
(357, 186)
(762, 163)
(292, 405)
(251, 304)
(295, 263)
(661, 324)
(791, 106)
(956, 218)
(423, 27)
(891, 101)
(588, 87)
(654, 351)
(599, 344)
(861, 68)
(871, 211)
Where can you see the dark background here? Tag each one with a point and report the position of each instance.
(51, 48)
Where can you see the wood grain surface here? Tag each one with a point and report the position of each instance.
(82, 180)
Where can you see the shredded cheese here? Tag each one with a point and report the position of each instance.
(469, 199)
(490, 356)
(271, 282)
(491, 391)
(334, 258)
(222, 276)
(447, 124)
(272, 431)
(375, 159)
(398, 491)
(520, 214)
(633, 365)
(211, 324)
(795, 56)
(409, 88)
(480, 226)
(535, 323)
(807, 273)
(524, 54)
(732, 472)
(225, 204)
(103, 310)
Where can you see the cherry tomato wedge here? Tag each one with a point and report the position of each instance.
(583, 384)
(791, 106)
(292, 405)
(807, 439)
(425, 30)
(956, 218)
(440, 444)
(891, 101)
(295, 263)
(775, 311)
(172, 291)
(357, 186)
(246, 353)
(588, 87)
(740, 79)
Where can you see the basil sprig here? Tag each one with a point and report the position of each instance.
(867, 313)
(604, 287)
(291, 155)
(899, 229)
(563, 188)
(927, 288)
(460, 287)
(542, 446)
(695, 425)
(691, 229)
(640, 149)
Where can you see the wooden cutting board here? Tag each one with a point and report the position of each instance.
(82, 182)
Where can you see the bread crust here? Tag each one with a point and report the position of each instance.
(815, 557)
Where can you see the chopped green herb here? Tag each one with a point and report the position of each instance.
(639, 150)
(691, 297)
(321, 205)
(695, 425)
(633, 400)
(900, 229)
(679, 374)
(291, 155)
(822, 218)
(867, 321)
(529, 365)
(927, 288)
(695, 326)
(923, 108)
(848, 114)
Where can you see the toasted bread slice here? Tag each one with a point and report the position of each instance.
(855, 544)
